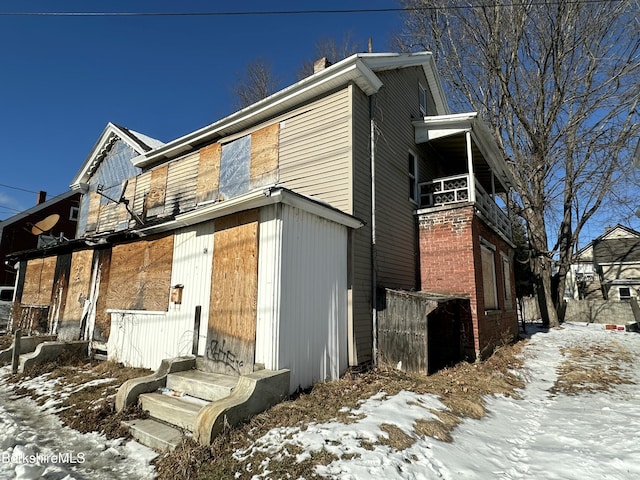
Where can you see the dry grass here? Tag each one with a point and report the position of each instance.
(6, 341)
(460, 388)
(87, 408)
(592, 368)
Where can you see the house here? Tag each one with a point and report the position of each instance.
(263, 239)
(608, 267)
(21, 231)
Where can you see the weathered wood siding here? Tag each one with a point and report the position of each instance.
(315, 150)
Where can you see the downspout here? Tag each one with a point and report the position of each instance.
(374, 295)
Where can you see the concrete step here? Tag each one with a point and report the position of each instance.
(208, 386)
(174, 410)
(154, 434)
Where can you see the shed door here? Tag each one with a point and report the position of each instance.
(231, 333)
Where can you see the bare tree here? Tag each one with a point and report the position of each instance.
(332, 51)
(255, 83)
(557, 80)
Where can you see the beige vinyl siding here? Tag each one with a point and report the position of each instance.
(181, 184)
(397, 104)
(315, 150)
(360, 314)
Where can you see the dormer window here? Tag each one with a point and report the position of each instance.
(423, 99)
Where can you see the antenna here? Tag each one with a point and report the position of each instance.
(45, 225)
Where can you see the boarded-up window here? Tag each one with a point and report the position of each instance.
(489, 278)
(140, 275)
(154, 202)
(264, 156)
(208, 173)
(38, 281)
(79, 284)
(506, 280)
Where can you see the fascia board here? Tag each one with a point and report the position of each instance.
(110, 130)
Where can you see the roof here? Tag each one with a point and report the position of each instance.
(617, 250)
(35, 209)
(138, 142)
(360, 69)
(617, 244)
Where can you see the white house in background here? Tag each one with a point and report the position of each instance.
(608, 267)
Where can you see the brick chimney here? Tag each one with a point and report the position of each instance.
(321, 64)
(42, 197)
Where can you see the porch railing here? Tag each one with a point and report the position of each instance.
(457, 189)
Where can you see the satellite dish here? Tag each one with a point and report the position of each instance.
(45, 225)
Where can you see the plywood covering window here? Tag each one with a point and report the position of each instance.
(79, 284)
(489, 278)
(38, 281)
(506, 280)
(140, 275)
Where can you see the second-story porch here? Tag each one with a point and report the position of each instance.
(470, 168)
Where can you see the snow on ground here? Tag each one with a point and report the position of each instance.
(34, 443)
(541, 436)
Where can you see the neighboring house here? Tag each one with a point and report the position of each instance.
(18, 233)
(608, 267)
(261, 240)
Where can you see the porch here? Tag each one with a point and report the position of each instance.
(471, 170)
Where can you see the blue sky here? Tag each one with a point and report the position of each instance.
(63, 78)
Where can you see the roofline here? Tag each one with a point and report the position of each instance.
(110, 132)
(254, 199)
(359, 68)
(36, 208)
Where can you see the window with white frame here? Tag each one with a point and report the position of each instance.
(414, 193)
(489, 277)
(73, 213)
(506, 282)
(423, 99)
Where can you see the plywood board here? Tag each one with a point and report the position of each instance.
(208, 173)
(264, 155)
(79, 285)
(157, 188)
(140, 275)
(38, 281)
(232, 315)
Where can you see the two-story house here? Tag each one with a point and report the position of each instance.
(260, 240)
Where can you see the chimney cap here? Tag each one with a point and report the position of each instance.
(41, 197)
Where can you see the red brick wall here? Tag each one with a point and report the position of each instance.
(450, 263)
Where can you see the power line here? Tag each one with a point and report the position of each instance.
(282, 12)
(17, 188)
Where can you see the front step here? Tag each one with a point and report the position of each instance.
(174, 410)
(208, 386)
(154, 434)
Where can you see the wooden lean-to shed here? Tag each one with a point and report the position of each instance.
(419, 332)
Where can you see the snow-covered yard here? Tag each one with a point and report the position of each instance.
(556, 430)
